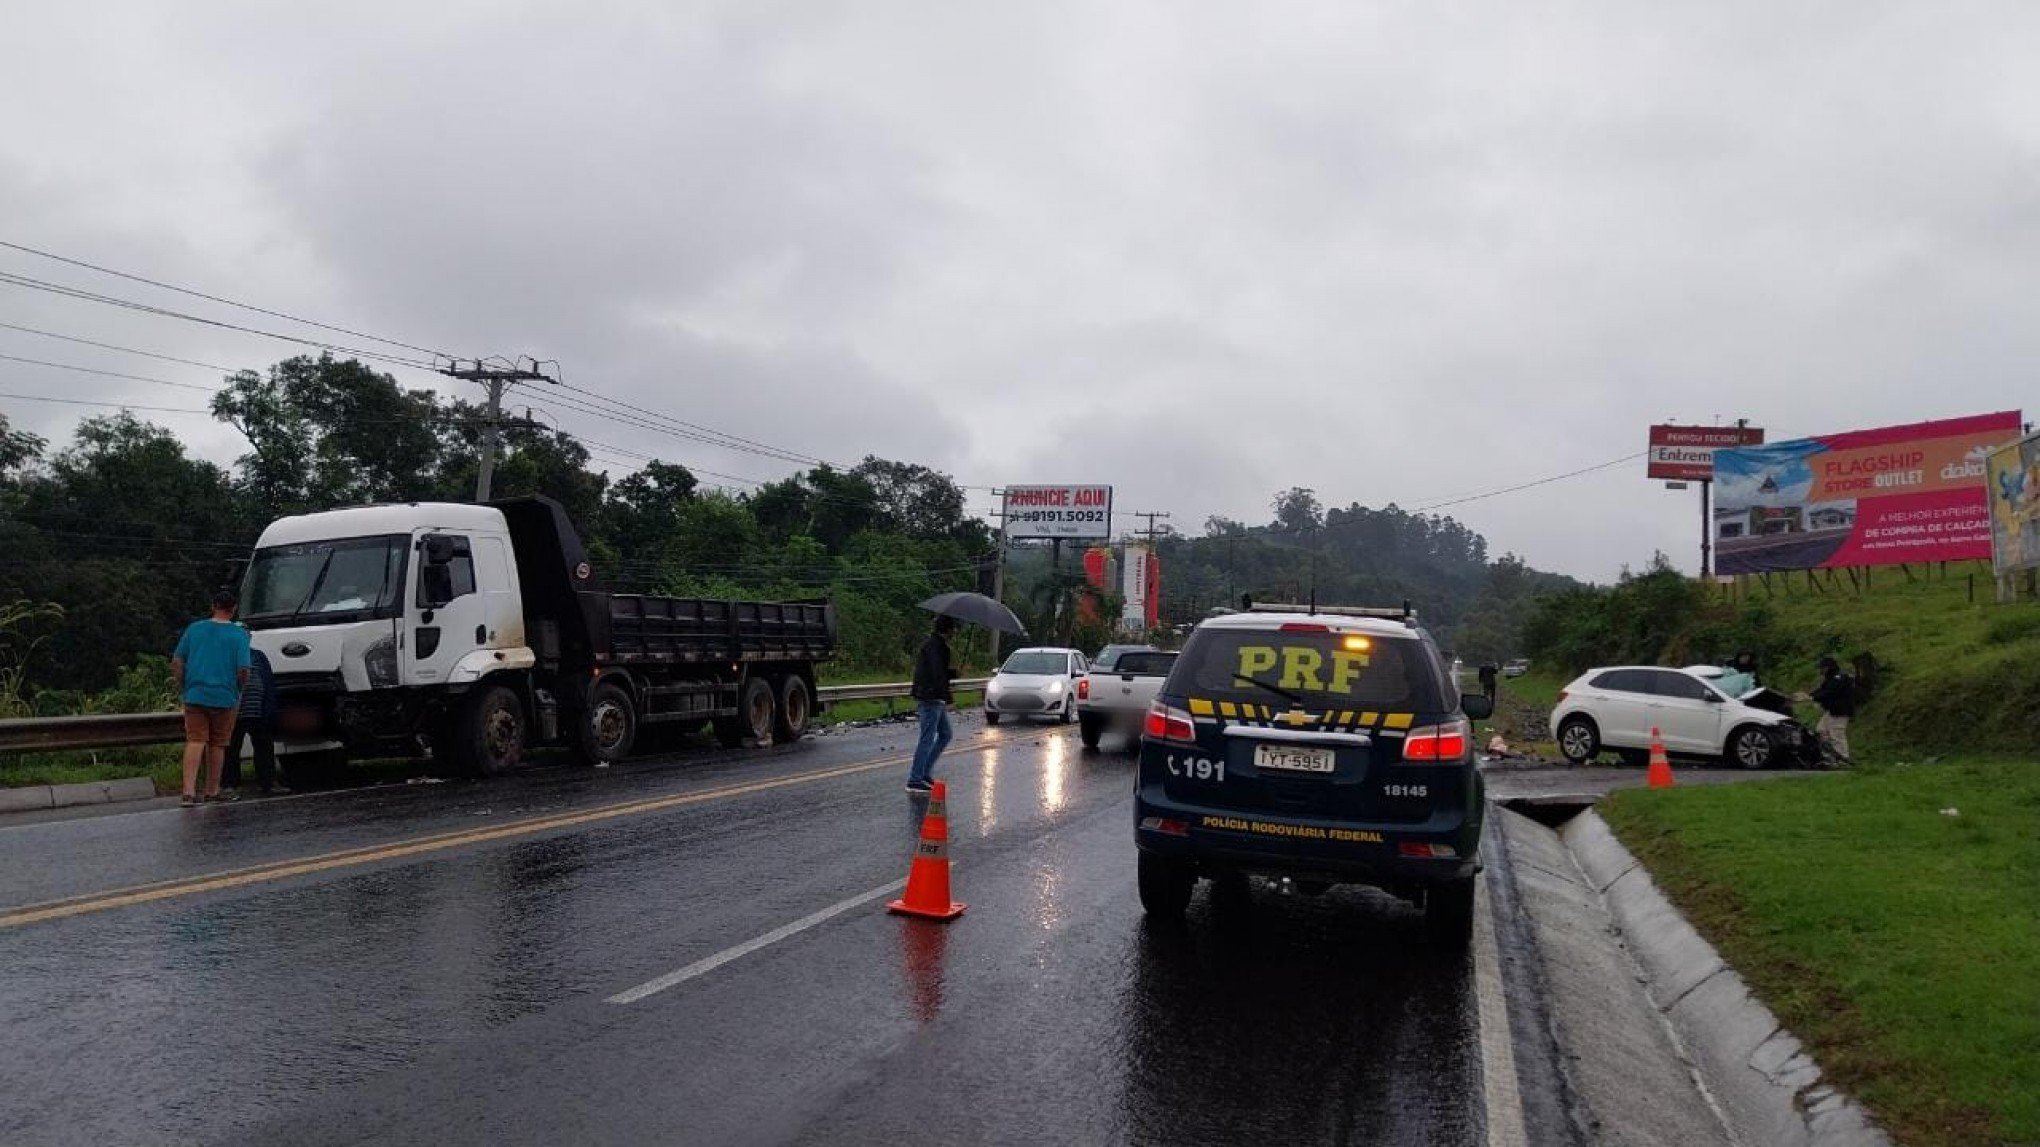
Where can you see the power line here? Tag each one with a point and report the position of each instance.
(121, 405)
(1461, 500)
(118, 347)
(217, 299)
(12, 279)
(110, 373)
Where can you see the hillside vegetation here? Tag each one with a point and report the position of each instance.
(1951, 674)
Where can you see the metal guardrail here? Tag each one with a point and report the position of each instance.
(98, 731)
(119, 730)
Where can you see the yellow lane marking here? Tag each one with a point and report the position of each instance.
(348, 858)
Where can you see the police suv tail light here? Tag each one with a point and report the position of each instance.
(1445, 742)
(1165, 723)
(1083, 688)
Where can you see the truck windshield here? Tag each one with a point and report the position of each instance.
(325, 582)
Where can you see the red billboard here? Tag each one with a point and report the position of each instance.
(1896, 494)
(1686, 453)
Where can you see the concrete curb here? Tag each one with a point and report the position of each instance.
(31, 798)
(1759, 1076)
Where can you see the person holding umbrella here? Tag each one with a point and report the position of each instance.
(934, 671)
(935, 674)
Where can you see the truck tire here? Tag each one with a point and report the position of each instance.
(1448, 913)
(490, 737)
(991, 717)
(796, 707)
(607, 730)
(752, 722)
(1090, 727)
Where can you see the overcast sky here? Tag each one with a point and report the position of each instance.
(1202, 252)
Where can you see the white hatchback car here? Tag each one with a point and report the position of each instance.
(1039, 682)
(1616, 708)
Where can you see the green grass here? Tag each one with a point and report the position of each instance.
(1902, 945)
(160, 763)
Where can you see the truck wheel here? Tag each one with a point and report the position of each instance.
(1448, 913)
(796, 706)
(1091, 727)
(492, 729)
(608, 729)
(991, 717)
(1165, 886)
(752, 722)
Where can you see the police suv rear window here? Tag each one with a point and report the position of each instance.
(1323, 670)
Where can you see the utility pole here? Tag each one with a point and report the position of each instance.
(999, 568)
(1151, 533)
(496, 380)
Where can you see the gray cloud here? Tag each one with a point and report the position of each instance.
(1201, 252)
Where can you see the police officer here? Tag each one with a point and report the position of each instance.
(1836, 696)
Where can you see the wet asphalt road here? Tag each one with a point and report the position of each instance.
(432, 964)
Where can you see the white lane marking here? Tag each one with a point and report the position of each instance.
(709, 964)
(1500, 1089)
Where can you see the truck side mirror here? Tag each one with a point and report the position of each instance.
(438, 551)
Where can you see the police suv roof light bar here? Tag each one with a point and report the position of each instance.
(1390, 613)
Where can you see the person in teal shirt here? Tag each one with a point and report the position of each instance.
(210, 667)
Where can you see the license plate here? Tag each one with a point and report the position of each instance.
(1294, 758)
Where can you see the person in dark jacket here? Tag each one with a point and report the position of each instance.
(1836, 696)
(934, 673)
(257, 723)
(1488, 677)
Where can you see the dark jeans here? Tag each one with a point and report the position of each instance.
(265, 754)
(934, 738)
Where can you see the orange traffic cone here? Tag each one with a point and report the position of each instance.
(1660, 764)
(928, 880)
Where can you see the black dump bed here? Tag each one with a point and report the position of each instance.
(573, 623)
(682, 630)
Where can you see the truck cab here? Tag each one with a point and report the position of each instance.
(365, 612)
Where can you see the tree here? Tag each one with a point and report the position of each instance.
(915, 500)
(327, 432)
(1298, 511)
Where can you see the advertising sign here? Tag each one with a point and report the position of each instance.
(1870, 497)
(2012, 479)
(1058, 511)
(1686, 453)
(1142, 589)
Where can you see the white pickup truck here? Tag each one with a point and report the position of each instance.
(1118, 698)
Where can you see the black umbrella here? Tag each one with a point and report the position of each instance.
(977, 609)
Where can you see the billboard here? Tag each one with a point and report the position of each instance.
(1686, 453)
(1058, 511)
(1142, 588)
(2012, 481)
(1911, 493)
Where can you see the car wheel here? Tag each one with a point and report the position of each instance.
(1069, 710)
(1448, 913)
(991, 717)
(1165, 886)
(1579, 740)
(1091, 727)
(1751, 747)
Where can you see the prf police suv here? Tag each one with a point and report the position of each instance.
(1329, 746)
